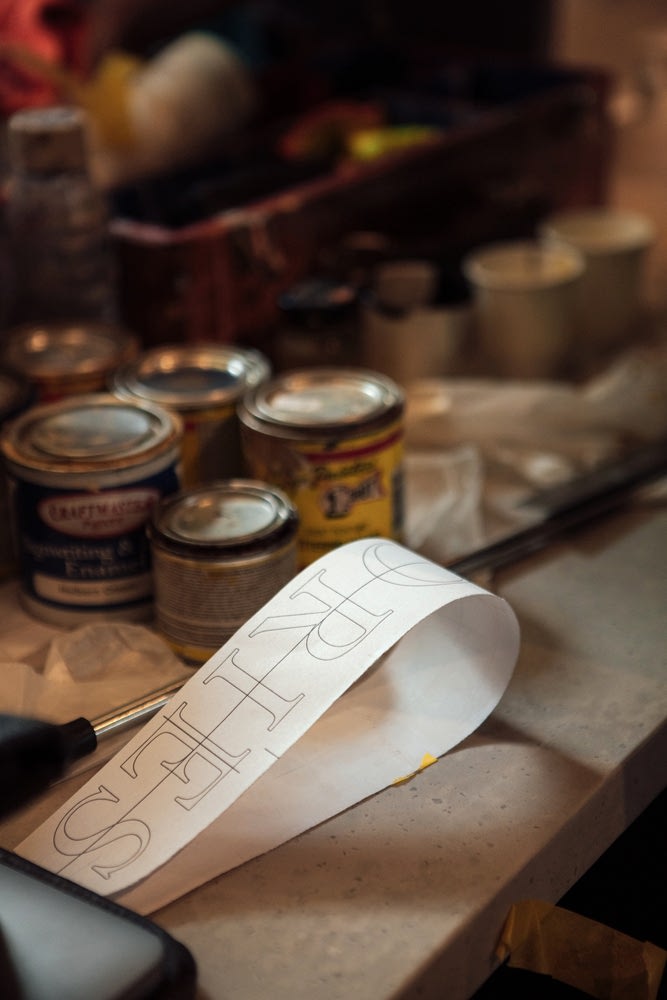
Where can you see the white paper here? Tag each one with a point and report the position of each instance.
(452, 651)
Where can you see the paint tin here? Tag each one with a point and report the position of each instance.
(318, 325)
(332, 439)
(203, 384)
(84, 474)
(16, 395)
(219, 553)
(67, 359)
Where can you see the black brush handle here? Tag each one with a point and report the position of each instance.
(35, 753)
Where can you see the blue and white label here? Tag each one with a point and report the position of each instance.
(88, 549)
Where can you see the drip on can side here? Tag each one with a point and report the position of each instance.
(84, 474)
(203, 383)
(219, 553)
(332, 439)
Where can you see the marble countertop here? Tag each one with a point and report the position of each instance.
(405, 894)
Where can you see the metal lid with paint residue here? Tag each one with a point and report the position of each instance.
(235, 515)
(90, 433)
(57, 352)
(191, 377)
(316, 400)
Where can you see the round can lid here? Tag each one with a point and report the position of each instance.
(52, 351)
(89, 431)
(190, 377)
(223, 515)
(324, 398)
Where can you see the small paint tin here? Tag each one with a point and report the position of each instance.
(332, 439)
(219, 553)
(84, 474)
(16, 395)
(203, 384)
(318, 325)
(67, 359)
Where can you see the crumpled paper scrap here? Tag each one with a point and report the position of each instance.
(580, 952)
(90, 671)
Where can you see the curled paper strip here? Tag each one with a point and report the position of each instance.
(442, 649)
(591, 957)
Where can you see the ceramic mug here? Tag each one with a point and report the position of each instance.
(614, 244)
(525, 300)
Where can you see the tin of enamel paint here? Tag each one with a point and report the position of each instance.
(202, 383)
(84, 474)
(219, 553)
(332, 439)
(67, 359)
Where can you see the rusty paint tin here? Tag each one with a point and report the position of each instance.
(219, 553)
(84, 474)
(67, 359)
(332, 439)
(203, 383)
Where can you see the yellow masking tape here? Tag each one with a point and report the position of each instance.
(580, 952)
(426, 761)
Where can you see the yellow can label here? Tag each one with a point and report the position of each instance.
(351, 490)
(210, 448)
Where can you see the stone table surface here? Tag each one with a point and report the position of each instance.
(404, 895)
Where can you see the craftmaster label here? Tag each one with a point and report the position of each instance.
(88, 549)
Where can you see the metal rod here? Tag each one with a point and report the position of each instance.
(569, 506)
(134, 711)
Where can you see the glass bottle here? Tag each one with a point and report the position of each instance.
(57, 221)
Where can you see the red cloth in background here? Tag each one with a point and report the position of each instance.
(51, 30)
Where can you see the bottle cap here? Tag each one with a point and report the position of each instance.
(45, 140)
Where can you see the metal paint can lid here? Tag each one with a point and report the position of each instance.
(191, 377)
(317, 400)
(231, 517)
(91, 432)
(58, 351)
